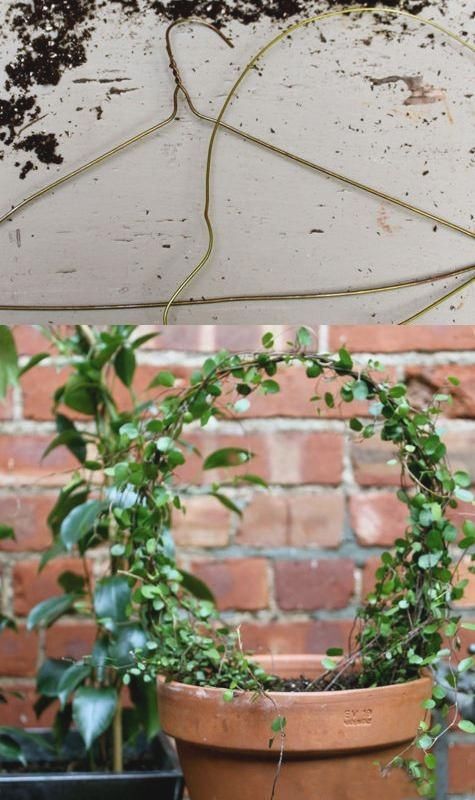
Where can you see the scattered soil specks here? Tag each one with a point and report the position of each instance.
(53, 37)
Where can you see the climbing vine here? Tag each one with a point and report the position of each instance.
(151, 616)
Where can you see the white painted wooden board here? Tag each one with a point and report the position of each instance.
(129, 230)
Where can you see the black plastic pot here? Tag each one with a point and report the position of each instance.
(164, 781)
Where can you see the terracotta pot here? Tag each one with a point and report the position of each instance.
(332, 738)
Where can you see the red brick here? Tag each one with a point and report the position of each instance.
(468, 601)
(27, 515)
(368, 577)
(369, 459)
(280, 638)
(6, 406)
(194, 338)
(239, 584)
(461, 768)
(265, 522)
(18, 653)
(424, 382)
(466, 637)
(283, 457)
(461, 450)
(390, 339)
(39, 386)
(316, 520)
(30, 339)
(205, 524)
(378, 519)
(20, 461)
(70, 640)
(314, 584)
(248, 338)
(18, 711)
(293, 520)
(31, 587)
(210, 338)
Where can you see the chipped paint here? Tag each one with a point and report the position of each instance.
(420, 93)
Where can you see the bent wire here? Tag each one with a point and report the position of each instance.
(254, 298)
(180, 87)
(240, 80)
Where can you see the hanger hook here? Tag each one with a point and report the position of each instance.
(168, 37)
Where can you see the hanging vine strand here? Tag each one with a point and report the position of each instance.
(180, 87)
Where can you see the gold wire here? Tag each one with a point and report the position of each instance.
(180, 86)
(251, 64)
(438, 302)
(95, 161)
(254, 298)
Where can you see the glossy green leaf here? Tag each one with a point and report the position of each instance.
(32, 362)
(163, 378)
(197, 587)
(80, 395)
(71, 439)
(49, 676)
(227, 502)
(79, 522)
(127, 640)
(93, 712)
(144, 698)
(48, 611)
(227, 457)
(71, 679)
(10, 750)
(112, 597)
(304, 337)
(429, 560)
(125, 364)
(8, 361)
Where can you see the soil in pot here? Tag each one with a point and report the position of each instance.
(332, 739)
(152, 770)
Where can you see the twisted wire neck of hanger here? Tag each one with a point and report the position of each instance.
(181, 87)
(232, 93)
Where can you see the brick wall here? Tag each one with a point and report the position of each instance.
(294, 567)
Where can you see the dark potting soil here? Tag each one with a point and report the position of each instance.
(323, 684)
(53, 36)
(146, 763)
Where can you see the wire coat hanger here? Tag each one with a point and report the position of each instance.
(240, 80)
(219, 122)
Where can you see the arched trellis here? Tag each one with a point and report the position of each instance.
(428, 487)
(400, 627)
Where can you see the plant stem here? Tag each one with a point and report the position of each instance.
(118, 759)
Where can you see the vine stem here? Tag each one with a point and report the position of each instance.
(117, 734)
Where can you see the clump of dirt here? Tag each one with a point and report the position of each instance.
(219, 11)
(53, 37)
(44, 145)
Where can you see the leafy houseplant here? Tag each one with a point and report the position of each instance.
(154, 619)
(82, 520)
